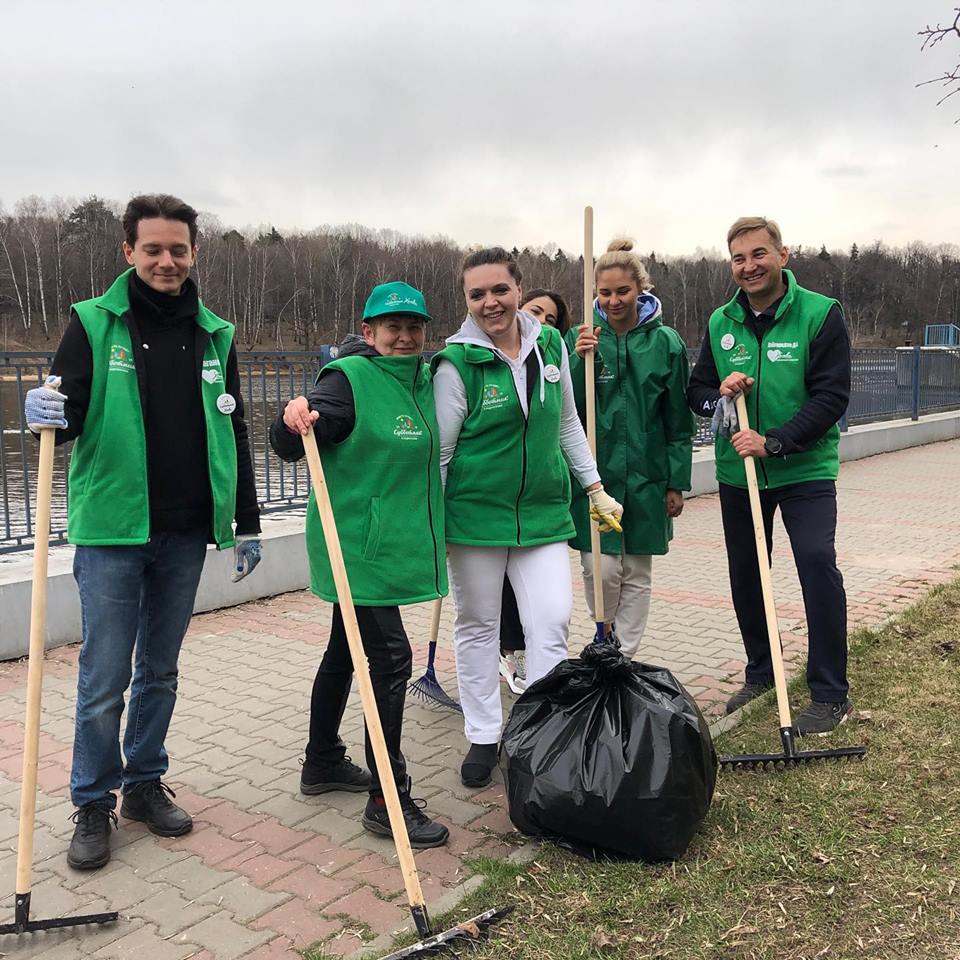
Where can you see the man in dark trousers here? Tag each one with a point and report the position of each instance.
(372, 410)
(788, 350)
(150, 393)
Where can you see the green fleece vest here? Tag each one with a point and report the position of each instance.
(109, 493)
(507, 482)
(778, 365)
(385, 488)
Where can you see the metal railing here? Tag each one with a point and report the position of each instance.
(941, 335)
(886, 383)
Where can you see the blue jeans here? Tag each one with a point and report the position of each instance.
(136, 603)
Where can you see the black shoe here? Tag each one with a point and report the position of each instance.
(322, 778)
(820, 718)
(749, 691)
(422, 831)
(150, 803)
(90, 846)
(477, 767)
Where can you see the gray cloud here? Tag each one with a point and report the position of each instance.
(492, 122)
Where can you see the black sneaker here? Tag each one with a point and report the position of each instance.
(422, 831)
(820, 718)
(150, 803)
(477, 767)
(90, 846)
(322, 778)
(749, 691)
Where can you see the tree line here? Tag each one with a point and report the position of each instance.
(296, 290)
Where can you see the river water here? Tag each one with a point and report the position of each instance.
(266, 387)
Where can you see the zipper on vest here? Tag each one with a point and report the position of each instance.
(433, 536)
(523, 470)
(756, 426)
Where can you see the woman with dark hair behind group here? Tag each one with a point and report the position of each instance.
(550, 309)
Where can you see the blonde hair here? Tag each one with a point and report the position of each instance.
(620, 254)
(749, 224)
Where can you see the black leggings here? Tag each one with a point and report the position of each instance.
(388, 652)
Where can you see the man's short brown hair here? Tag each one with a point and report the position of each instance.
(148, 206)
(749, 224)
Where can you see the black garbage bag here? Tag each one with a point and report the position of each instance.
(609, 756)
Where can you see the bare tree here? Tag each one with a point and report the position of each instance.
(949, 79)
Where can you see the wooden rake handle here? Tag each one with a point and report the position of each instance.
(38, 631)
(362, 671)
(590, 403)
(766, 581)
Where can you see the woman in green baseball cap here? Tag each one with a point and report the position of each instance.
(508, 431)
(373, 414)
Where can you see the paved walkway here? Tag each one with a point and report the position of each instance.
(267, 872)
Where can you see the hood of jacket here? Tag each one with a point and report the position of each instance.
(471, 332)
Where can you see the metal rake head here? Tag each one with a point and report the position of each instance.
(469, 933)
(428, 688)
(780, 761)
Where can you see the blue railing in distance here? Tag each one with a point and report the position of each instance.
(941, 335)
(886, 383)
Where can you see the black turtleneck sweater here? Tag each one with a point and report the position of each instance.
(168, 348)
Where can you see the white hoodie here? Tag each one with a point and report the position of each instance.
(450, 397)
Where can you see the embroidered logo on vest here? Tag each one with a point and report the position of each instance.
(120, 359)
(493, 396)
(406, 429)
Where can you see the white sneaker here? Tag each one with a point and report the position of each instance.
(510, 673)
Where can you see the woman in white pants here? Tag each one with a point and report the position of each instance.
(509, 431)
(644, 435)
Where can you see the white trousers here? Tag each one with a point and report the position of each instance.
(626, 594)
(540, 577)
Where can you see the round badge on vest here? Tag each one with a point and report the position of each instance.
(727, 341)
(226, 404)
(551, 373)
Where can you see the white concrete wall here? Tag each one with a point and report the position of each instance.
(284, 564)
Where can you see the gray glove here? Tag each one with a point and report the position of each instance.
(246, 555)
(725, 423)
(43, 406)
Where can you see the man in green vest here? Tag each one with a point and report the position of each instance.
(150, 391)
(373, 413)
(788, 350)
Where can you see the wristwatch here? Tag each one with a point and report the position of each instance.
(773, 445)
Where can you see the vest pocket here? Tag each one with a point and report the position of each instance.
(371, 530)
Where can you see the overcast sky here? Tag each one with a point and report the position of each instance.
(493, 122)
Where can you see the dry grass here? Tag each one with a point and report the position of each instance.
(839, 860)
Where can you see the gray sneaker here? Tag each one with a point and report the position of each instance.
(748, 692)
(820, 718)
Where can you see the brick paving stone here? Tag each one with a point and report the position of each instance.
(299, 922)
(279, 949)
(379, 915)
(309, 883)
(191, 876)
(170, 911)
(243, 899)
(224, 938)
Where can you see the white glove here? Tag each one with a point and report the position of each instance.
(605, 510)
(43, 406)
(725, 422)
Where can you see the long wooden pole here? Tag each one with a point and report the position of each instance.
(38, 630)
(591, 409)
(362, 671)
(766, 582)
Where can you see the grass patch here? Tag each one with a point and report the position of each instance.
(834, 860)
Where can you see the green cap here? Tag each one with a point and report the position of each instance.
(395, 297)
